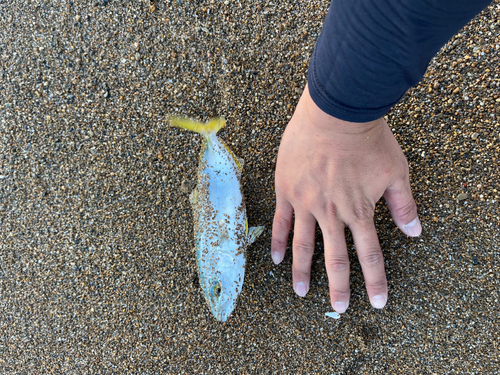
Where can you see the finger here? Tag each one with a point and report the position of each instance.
(303, 249)
(372, 262)
(337, 263)
(403, 208)
(281, 228)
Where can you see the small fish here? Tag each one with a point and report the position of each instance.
(220, 222)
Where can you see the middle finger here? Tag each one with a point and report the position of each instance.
(336, 262)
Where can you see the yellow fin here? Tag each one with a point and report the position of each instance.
(215, 124)
(212, 125)
(236, 160)
(253, 233)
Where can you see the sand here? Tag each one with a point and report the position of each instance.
(97, 269)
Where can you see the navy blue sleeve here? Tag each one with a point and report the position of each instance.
(371, 51)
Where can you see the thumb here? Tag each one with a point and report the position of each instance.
(403, 208)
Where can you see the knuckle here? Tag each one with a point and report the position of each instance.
(297, 193)
(303, 246)
(409, 209)
(337, 264)
(331, 211)
(281, 223)
(363, 212)
(377, 285)
(278, 241)
(372, 258)
(301, 274)
(339, 295)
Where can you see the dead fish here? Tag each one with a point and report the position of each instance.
(220, 223)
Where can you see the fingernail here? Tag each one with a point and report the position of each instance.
(414, 228)
(340, 307)
(301, 289)
(276, 257)
(378, 301)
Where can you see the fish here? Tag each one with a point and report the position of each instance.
(221, 229)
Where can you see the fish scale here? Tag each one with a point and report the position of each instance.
(220, 223)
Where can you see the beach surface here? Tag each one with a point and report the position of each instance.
(97, 269)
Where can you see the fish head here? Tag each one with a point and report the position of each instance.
(223, 286)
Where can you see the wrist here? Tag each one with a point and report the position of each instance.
(344, 134)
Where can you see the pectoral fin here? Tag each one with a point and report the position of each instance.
(253, 233)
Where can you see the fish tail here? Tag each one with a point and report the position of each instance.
(211, 126)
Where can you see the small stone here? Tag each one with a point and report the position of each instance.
(462, 196)
(474, 136)
(334, 315)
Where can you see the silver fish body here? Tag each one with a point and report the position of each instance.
(220, 223)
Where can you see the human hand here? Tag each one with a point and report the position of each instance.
(334, 172)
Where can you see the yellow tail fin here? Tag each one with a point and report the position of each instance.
(212, 125)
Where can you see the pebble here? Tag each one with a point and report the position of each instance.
(334, 315)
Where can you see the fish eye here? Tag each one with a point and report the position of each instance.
(215, 290)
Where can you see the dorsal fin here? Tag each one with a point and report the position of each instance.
(237, 160)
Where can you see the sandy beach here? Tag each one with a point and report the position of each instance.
(97, 269)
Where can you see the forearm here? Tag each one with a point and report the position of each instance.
(371, 51)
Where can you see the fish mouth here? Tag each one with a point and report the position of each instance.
(221, 318)
(226, 309)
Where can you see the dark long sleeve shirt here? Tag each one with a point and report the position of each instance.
(371, 51)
